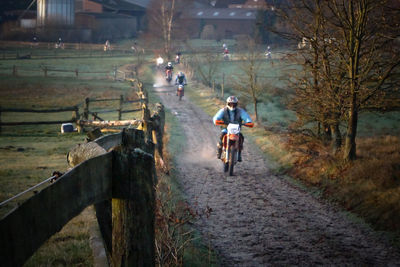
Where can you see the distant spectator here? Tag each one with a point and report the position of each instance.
(107, 46)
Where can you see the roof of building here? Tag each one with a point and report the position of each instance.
(123, 4)
(106, 15)
(220, 13)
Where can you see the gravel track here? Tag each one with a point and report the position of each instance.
(258, 219)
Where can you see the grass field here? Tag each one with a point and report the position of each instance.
(29, 154)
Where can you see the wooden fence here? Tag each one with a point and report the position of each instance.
(18, 71)
(87, 49)
(82, 118)
(125, 175)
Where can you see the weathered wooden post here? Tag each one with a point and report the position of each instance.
(86, 109)
(121, 102)
(45, 71)
(133, 209)
(222, 85)
(75, 117)
(213, 86)
(76, 72)
(158, 122)
(15, 71)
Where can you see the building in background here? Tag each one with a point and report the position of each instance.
(224, 19)
(77, 20)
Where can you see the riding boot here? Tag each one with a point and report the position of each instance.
(239, 156)
(219, 151)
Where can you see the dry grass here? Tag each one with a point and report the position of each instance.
(369, 186)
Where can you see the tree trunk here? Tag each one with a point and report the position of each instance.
(255, 109)
(337, 137)
(350, 143)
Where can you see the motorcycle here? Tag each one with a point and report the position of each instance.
(177, 59)
(231, 145)
(168, 75)
(180, 91)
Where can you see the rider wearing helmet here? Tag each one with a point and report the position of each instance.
(232, 114)
(169, 66)
(180, 78)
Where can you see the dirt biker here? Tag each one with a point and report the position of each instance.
(180, 79)
(160, 60)
(232, 114)
(169, 66)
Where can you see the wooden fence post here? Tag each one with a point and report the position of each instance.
(115, 73)
(121, 101)
(76, 72)
(45, 71)
(158, 122)
(133, 206)
(213, 86)
(86, 109)
(75, 116)
(222, 85)
(15, 70)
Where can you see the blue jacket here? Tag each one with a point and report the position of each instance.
(239, 116)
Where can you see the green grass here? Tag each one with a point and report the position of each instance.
(29, 154)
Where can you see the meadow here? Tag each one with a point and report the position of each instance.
(29, 154)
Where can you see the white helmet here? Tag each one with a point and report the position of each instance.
(232, 102)
(169, 64)
(180, 73)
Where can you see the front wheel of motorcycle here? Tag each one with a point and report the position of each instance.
(232, 155)
(226, 166)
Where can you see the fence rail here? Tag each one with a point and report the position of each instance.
(81, 118)
(21, 71)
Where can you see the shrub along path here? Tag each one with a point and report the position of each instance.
(255, 218)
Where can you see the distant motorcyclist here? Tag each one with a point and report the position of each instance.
(159, 61)
(180, 80)
(178, 58)
(232, 114)
(169, 67)
(168, 71)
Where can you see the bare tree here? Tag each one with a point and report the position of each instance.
(251, 86)
(162, 19)
(205, 66)
(352, 60)
(366, 33)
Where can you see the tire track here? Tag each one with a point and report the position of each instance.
(258, 219)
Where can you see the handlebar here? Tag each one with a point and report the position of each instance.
(221, 123)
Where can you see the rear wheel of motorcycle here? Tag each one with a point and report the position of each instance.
(232, 155)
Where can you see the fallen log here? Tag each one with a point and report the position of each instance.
(104, 124)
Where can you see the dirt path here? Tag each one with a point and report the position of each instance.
(258, 219)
